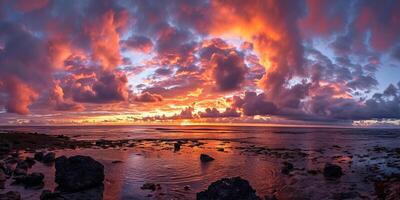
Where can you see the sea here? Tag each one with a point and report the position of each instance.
(255, 153)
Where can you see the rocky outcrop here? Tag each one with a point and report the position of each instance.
(228, 189)
(78, 173)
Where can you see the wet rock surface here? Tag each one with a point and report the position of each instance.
(77, 173)
(206, 158)
(228, 189)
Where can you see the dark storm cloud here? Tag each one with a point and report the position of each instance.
(229, 71)
(254, 104)
(138, 43)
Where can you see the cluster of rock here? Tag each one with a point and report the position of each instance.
(20, 175)
(78, 177)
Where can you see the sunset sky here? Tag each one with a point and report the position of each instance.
(290, 62)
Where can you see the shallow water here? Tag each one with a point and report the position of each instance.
(155, 161)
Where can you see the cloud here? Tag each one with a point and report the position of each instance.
(229, 71)
(254, 104)
(148, 97)
(20, 95)
(214, 113)
(138, 43)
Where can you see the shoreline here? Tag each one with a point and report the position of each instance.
(30, 143)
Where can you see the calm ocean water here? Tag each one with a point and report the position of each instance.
(157, 163)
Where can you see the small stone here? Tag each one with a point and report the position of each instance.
(38, 156)
(49, 158)
(186, 187)
(287, 168)
(148, 186)
(48, 195)
(30, 161)
(20, 171)
(332, 171)
(177, 146)
(206, 158)
(31, 180)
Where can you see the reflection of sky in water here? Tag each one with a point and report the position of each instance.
(153, 161)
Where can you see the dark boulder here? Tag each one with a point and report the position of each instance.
(3, 178)
(206, 158)
(38, 156)
(48, 195)
(11, 195)
(21, 168)
(332, 171)
(77, 173)
(228, 189)
(49, 158)
(177, 146)
(30, 161)
(287, 168)
(31, 180)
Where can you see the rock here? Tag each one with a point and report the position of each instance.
(12, 160)
(186, 188)
(31, 180)
(177, 146)
(345, 195)
(5, 148)
(38, 156)
(20, 171)
(3, 179)
(95, 193)
(388, 188)
(332, 171)
(273, 197)
(312, 171)
(77, 173)
(30, 161)
(227, 189)
(49, 158)
(48, 195)
(287, 168)
(6, 168)
(11, 195)
(148, 186)
(206, 158)
(220, 149)
(116, 161)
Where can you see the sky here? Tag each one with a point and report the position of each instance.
(310, 62)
